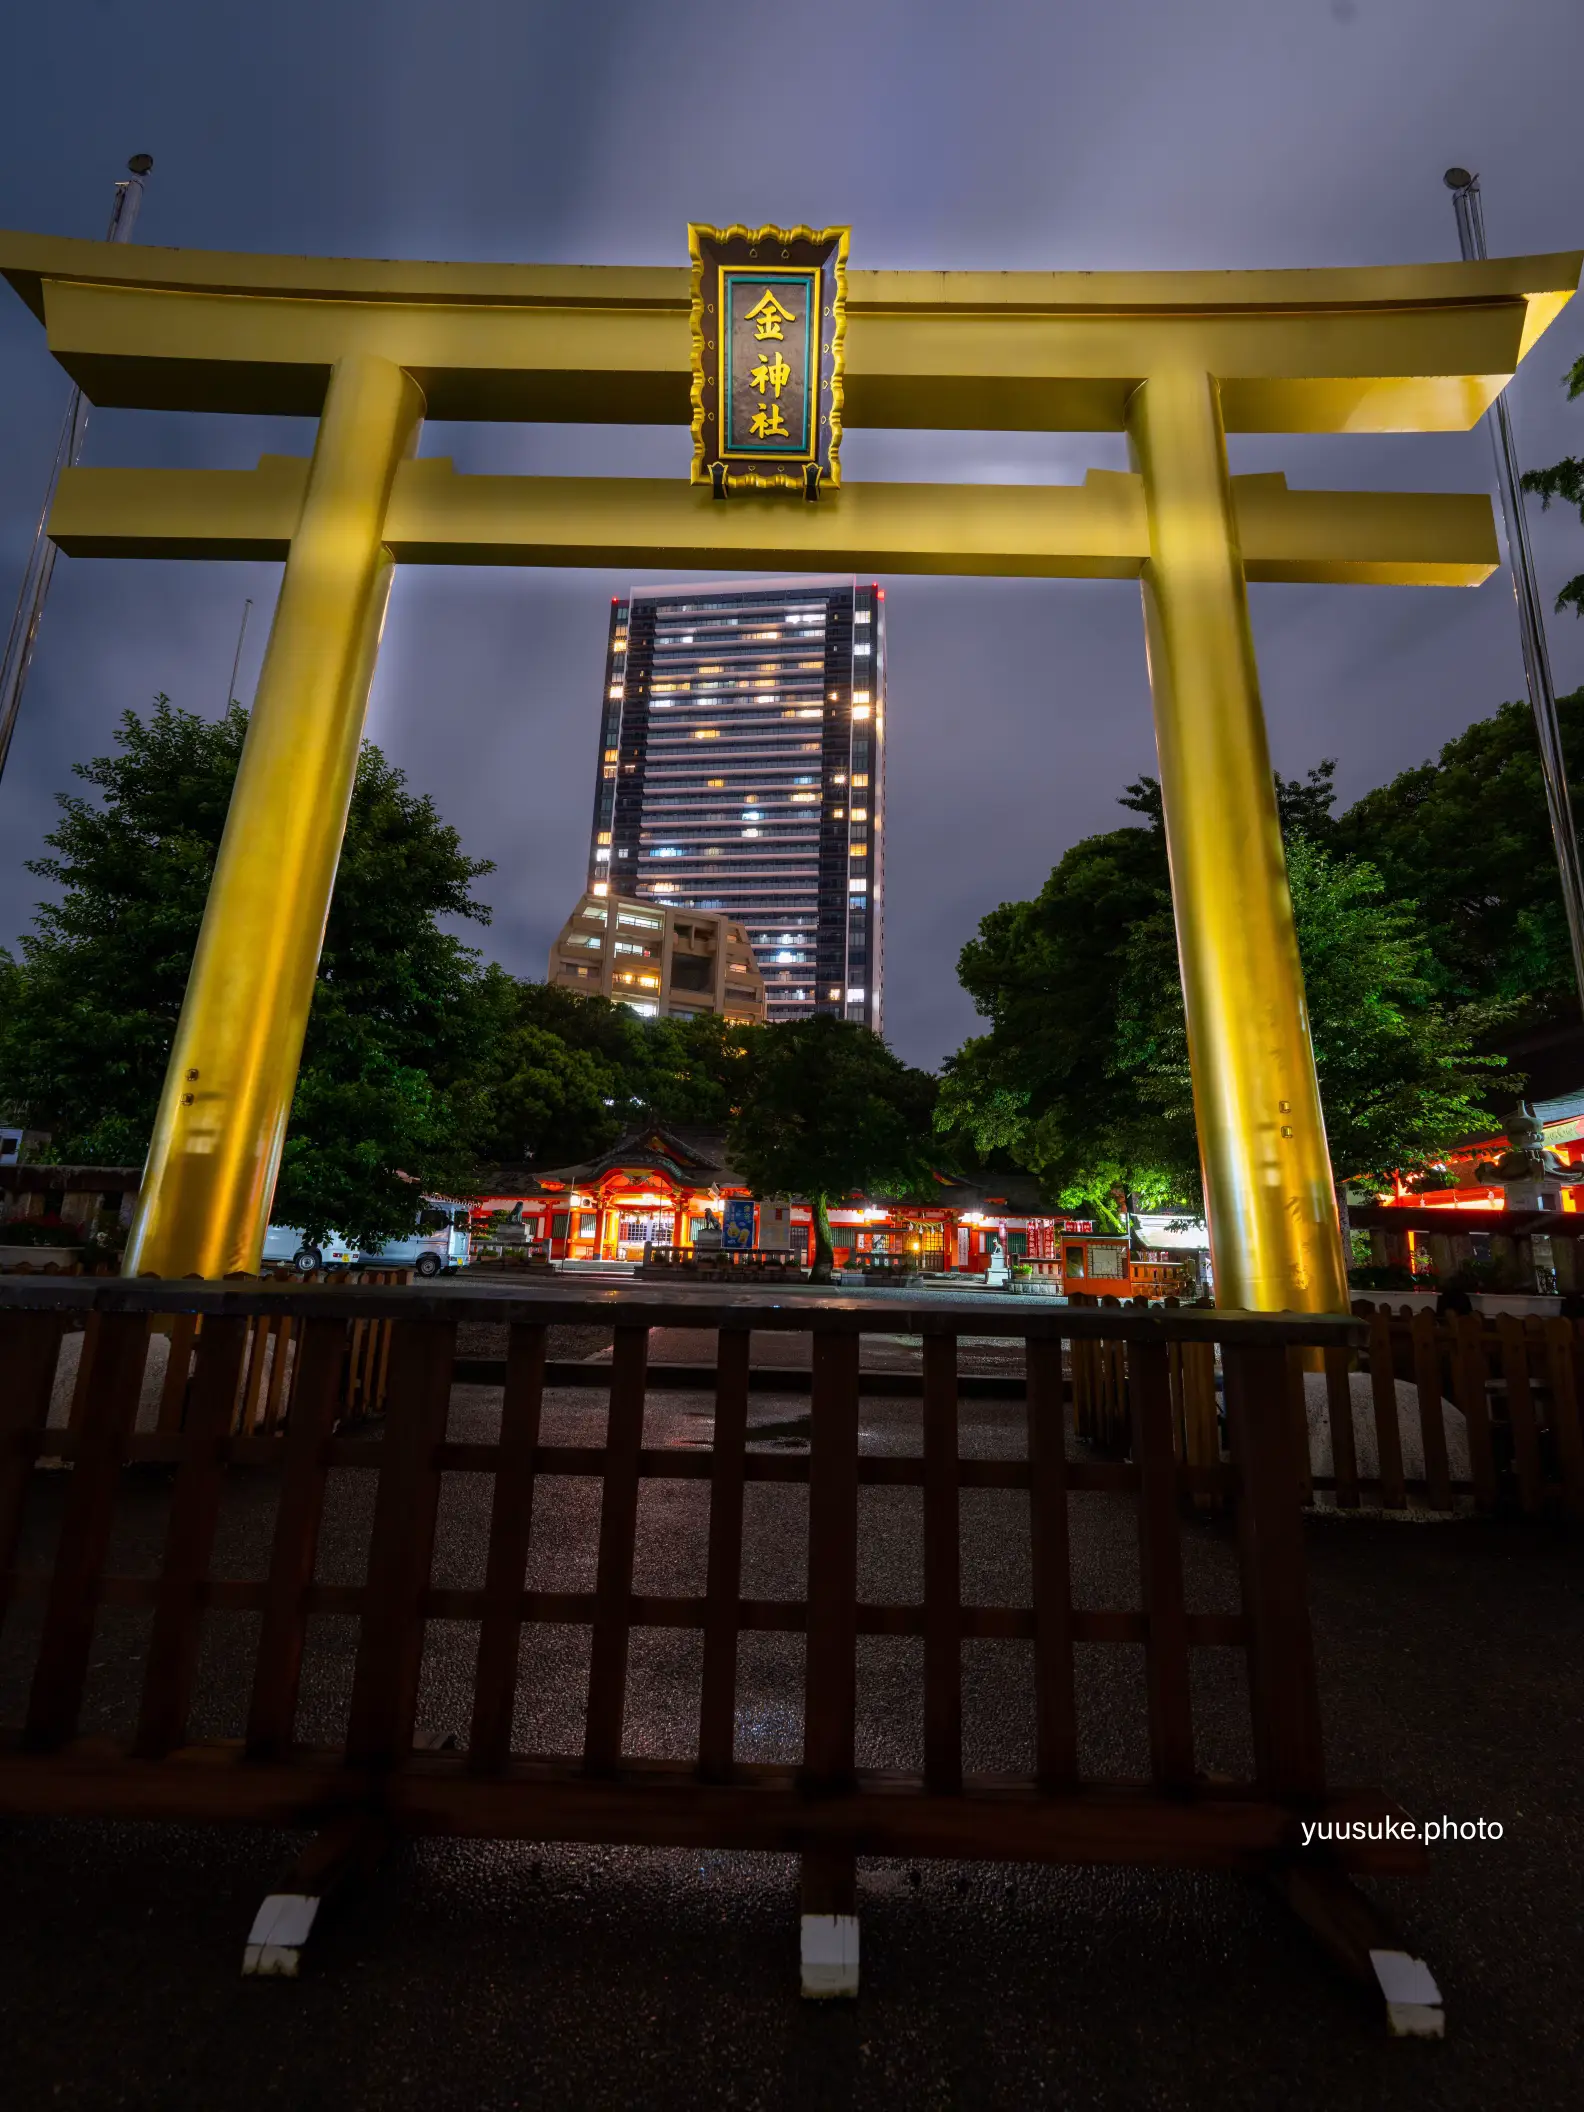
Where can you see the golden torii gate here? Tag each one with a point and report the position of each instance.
(1174, 359)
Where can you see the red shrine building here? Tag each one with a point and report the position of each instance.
(1469, 1209)
(656, 1186)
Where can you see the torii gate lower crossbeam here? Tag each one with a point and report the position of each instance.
(1174, 359)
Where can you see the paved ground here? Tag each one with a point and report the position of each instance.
(474, 1975)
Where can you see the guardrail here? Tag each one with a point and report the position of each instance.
(825, 1807)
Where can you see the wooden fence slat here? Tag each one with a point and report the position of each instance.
(1388, 1435)
(511, 1524)
(1468, 1331)
(618, 1534)
(260, 1335)
(353, 1405)
(272, 1715)
(1520, 1411)
(92, 1323)
(29, 1351)
(109, 1410)
(942, 1570)
(1170, 1699)
(1179, 1399)
(1055, 1701)
(275, 1400)
(1298, 1410)
(1428, 1339)
(189, 1539)
(831, 1664)
(1567, 1434)
(401, 1547)
(723, 1578)
(1116, 1395)
(1199, 1389)
(1283, 1696)
(369, 1401)
(1079, 1359)
(382, 1365)
(178, 1366)
(1339, 1407)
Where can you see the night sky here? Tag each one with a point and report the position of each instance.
(1142, 134)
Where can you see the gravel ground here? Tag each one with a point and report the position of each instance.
(479, 1975)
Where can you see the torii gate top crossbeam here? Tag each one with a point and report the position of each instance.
(1414, 348)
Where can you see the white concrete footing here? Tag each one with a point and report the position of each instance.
(830, 1955)
(280, 1932)
(1413, 2001)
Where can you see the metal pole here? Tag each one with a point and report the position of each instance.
(231, 695)
(23, 635)
(1466, 203)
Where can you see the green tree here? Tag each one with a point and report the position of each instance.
(543, 1087)
(1565, 480)
(827, 1110)
(1468, 838)
(1046, 1085)
(1051, 1086)
(1084, 1074)
(1399, 1081)
(91, 1005)
(562, 1075)
(698, 1067)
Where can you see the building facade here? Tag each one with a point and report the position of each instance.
(659, 1184)
(742, 773)
(658, 959)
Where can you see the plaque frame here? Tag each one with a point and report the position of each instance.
(804, 254)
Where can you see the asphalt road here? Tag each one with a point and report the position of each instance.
(482, 1975)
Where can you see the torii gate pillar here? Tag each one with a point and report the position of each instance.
(228, 1090)
(1267, 1173)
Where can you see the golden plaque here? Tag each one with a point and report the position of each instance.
(769, 318)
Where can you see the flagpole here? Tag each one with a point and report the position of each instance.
(1470, 212)
(40, 567)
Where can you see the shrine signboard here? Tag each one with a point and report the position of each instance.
(768, 322)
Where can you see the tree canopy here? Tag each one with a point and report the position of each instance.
(1468, 838)
(90, 1008)
(1565, 480)
(421, 1067)
(560, 1076)
(827, 1110)
(1083, 1076)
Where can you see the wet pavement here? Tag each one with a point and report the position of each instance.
(474, 1974)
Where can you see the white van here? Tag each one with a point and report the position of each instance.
(438, 1241)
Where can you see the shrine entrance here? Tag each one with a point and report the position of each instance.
(767, 346)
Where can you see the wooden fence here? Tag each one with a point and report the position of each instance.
(268, 1369)
(824, 1808)
(1508, 1388)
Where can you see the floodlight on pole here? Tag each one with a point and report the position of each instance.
(1466, 203)
(40, 567)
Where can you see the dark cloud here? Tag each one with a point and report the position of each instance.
(1144, 135)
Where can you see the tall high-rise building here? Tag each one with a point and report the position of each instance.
(742, 771)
